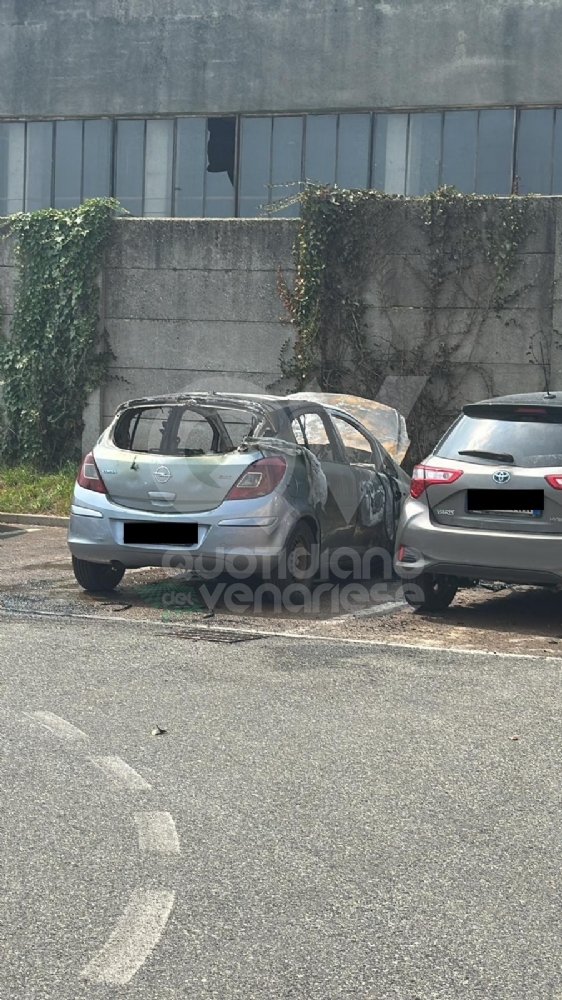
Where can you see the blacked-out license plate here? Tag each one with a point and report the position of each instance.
(141, 533)
(529, 502)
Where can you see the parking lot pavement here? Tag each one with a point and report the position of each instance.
(36, 575)
(319, 821)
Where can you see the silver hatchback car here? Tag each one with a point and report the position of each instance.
(487, 503)
(258, 484)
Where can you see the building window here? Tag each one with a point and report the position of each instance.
(494, 160)
(389, 153)
(534, 151)
(12, 167)
(129, 165)
(218, 167)
(354, 141)
(39, 166)
(460, 134)
(98, 144)
(68, 163)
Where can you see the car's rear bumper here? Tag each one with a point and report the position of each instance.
(229, 539)
(473, 554)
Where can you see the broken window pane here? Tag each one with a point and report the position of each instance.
(389, 154)
(68, 164)
(191, 163)
(39, 165)
(495, 152)
(286, 165)
(12, 159)
(459, 150)
(424, 153)
(255, 165)
(158, 167)
(534, 151)
(354, 136)
(129, 167)
(98, 135)
(219, 181)
(320, 160)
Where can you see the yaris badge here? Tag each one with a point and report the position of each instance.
(162, 474)
(501, 477)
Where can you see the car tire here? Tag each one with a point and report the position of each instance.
(298, 551)
(96, 576)
(429, 592)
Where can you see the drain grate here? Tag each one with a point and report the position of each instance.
(214, 635)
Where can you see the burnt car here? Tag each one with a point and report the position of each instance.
(224, 475)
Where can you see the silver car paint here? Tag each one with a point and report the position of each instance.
(448, 540)
(261, 526)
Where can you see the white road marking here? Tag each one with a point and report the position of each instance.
(56, 725)
(157, 832)
(136, 934)
(120, 771)
(269, 633)
(377, 609)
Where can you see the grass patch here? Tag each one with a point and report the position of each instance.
(25, 491)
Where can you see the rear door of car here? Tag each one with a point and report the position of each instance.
(312, 427)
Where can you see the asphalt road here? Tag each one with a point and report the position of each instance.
(320, 820)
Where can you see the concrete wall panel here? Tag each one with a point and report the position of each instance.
(180, 56)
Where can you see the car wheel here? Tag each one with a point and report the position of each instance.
(431, 593)
(298, 554)
(96, 576)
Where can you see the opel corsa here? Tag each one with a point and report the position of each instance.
(487, 503)
(257, 483)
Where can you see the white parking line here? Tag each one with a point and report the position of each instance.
(136, 934)
(157, 832)
(60, 727)
(120, 771)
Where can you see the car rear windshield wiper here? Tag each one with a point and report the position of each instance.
(498, 456)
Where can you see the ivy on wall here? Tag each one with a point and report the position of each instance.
(464, 265)
(53, 357)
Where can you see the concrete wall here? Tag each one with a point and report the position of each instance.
(188, 302)
(194, 303)
(78, 58)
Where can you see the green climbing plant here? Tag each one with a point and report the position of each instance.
(350, 243)
(54, 355)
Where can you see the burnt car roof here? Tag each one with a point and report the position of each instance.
(264, 403)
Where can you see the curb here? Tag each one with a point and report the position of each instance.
(46, 520)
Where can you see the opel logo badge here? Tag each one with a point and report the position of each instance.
(162, 474)
(501, 477)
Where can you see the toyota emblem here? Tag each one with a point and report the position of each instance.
(501, 477)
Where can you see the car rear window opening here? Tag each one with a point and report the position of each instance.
(184, 430)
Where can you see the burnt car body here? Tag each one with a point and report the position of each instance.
(228, 474)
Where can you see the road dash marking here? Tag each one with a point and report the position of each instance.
(60, 727)
(157, 832)
(122, 773)
(135, 935)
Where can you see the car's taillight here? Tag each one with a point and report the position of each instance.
(426, 475)
(554, 480)
(89, 477)
(259, 479)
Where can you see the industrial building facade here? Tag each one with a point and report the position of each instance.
(180, 110)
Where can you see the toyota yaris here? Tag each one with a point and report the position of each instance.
(487, 503)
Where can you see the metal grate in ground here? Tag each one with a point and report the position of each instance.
(214, 635)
